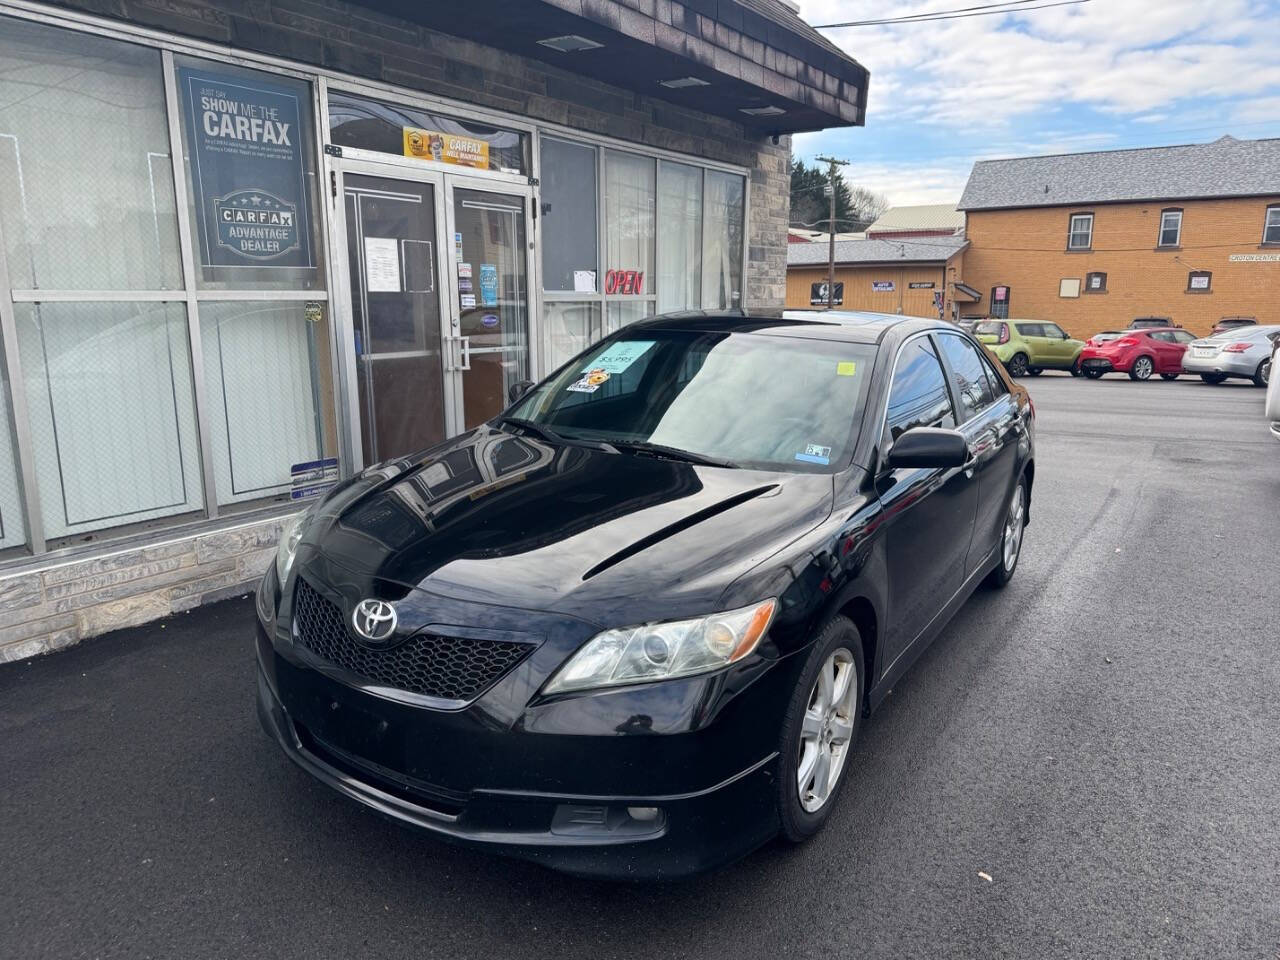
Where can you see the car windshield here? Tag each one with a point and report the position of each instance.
(990, 326)
(769, 402)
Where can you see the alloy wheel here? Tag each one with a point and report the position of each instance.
(1142, 368)
(1018, 365)
(1013, 527)
(826, 730)
(1264, 372)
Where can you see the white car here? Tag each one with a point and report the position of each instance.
(1243, 352)
(1272, 412)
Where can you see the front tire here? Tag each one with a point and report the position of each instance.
(1035, 371)
(1015, 522)
(1142, 369)
(1018, 365)
(1262, 376)
(819, 729)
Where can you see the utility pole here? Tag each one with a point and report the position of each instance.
(830, 191)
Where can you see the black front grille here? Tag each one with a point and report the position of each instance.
(451, 668)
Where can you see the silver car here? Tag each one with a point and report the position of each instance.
(1241, 352)
(1272, 411)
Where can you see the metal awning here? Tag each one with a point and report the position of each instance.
(751, 61)
(966, 294)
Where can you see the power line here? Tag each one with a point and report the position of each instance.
(961, 13)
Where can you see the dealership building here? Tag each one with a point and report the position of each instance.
(248, 248)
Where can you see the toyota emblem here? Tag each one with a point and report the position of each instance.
(374, 620)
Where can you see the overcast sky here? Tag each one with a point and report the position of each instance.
(1093, 76)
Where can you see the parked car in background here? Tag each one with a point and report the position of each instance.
(1230, 323)
(1153, 323)
(1244, 353)
(1139, 353)
(969, 321)
(1106, 336)
(1029, 346)
(1272, 410)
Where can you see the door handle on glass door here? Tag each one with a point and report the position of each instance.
(464, 353)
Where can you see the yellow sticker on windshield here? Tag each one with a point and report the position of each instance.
(846, 368)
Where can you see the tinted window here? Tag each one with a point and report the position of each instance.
(1053, 330)
(1030, 329)
(1182, 336)
(968, 375)
(918, 396)
(1164, 336)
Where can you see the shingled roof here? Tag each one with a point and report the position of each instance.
(1227, 167)
(937, 250)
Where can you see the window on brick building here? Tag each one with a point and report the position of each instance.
(1000, 302)
(1271, 227)
(1170, 228)
(1199, 281)
(1080, 234)
(1095, 283)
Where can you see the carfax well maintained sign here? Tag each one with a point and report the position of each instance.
(246, 157)
(446, 148)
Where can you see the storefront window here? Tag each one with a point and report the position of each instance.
(86, 182)
(424, 134)
(722, 244)
(113, 427)
(570, 329)
(680, 250)
(629, 229)
(270, 400)
(249, 155)
(13, 529)
(623, 312)
(569, 248)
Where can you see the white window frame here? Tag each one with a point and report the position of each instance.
(1177, 238)
(1072, 231)
(1271, 221)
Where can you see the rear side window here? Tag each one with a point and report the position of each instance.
(968, 375)
(918, 396)
(1182, 336)
(991, 327)
(1030, 329)
(1164, 336)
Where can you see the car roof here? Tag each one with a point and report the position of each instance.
(847, 326)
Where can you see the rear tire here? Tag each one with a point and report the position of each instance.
(1262, 376)
(1168, 376)
(1015, 522)
(1092, 374)
(1213, 377)
(812, 730)
(1035, 371)
(1017, 365)
(1142, 368)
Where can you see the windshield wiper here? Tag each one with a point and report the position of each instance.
(546, 433)
(671, 453)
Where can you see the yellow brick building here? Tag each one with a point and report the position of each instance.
(906, 276)
(1092, 241)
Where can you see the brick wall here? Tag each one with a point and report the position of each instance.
(1026, 249)
(58, 605)
(361, 42)
(858, 292)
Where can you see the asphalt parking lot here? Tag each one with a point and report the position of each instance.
(1100, 740)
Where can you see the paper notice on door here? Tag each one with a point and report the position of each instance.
(381, 265)
(584, 281)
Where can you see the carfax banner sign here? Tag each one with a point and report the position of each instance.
(245, 142)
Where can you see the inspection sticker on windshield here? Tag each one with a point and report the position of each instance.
(846, 368)
(619, 356)
(815, 453)
(592, 380)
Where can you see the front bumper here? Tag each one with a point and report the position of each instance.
(708, 813)
(1227, 364)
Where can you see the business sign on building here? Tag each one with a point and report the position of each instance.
(882, 286)
(920, 285)
(446, 148)
(247, 166)
(818, 294)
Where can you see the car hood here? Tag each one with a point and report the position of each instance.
(496, 518)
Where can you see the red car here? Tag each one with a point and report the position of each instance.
(1139, 353)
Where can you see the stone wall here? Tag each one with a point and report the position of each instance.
(364, 43)
(58, 605)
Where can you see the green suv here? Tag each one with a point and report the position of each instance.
(1029, 346)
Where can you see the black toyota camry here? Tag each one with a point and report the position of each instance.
(629, 627)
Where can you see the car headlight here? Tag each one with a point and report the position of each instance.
(290, 536)
(663, 651)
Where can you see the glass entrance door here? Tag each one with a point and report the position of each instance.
(397, 324)
(491, 307)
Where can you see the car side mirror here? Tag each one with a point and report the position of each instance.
(929, 447)
(519, 389)
(1066, 336)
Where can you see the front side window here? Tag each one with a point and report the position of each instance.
(968, 375)
(918, 396)
(1080, 236)
(1271, 229)
(1170, 228)
(763, 401)
(1182, 336)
